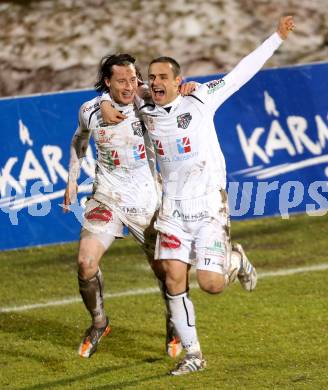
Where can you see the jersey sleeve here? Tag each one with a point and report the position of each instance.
(216, 92)
(78, 147)
(105, 97)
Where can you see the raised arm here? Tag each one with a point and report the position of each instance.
(217, 91)
(285, 26)
(252, 63)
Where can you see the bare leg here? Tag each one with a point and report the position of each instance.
(90, 278)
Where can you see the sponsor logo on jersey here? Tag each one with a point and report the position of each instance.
(184, 120)
(114, 159)
(183, 145)
(159, 147)
(138, 128)
(103, 137)
(180, 157)
(169, 241)
(214, 85)
(99, 214)
(88, 108)
(105, 140)
(139, 152)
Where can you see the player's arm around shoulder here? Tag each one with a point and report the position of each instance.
(188, 87)
(109, 113)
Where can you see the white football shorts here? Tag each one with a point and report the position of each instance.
(195, 231)
(104, 221)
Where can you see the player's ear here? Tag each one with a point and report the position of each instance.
(178, 80)
(107, 82)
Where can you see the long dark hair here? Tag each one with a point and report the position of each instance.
(105, 70)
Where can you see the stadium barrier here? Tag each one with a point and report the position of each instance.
(273, 132)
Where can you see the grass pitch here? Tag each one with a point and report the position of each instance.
(274, 338)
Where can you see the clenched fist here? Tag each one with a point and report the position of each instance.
(285, 26)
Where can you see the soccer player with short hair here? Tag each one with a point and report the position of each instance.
(193, 220)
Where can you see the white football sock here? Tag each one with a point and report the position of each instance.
(183, 318)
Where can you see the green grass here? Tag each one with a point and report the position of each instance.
(274, 338)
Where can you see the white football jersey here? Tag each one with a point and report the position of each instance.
(123, 174)
(187, 148)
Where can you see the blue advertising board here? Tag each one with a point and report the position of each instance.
(273, 132)
(36, 132)
(274, 135)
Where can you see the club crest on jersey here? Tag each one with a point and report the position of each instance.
(183, 145)
(215, 85)
(159, 147)
(139, 152)
(184, 120)
(138, 128)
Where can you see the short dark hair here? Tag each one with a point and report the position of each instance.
(175, 65)
(105, 70)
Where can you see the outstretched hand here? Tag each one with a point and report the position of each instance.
(285, 26)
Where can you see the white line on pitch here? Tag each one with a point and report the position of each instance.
(150, 290)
